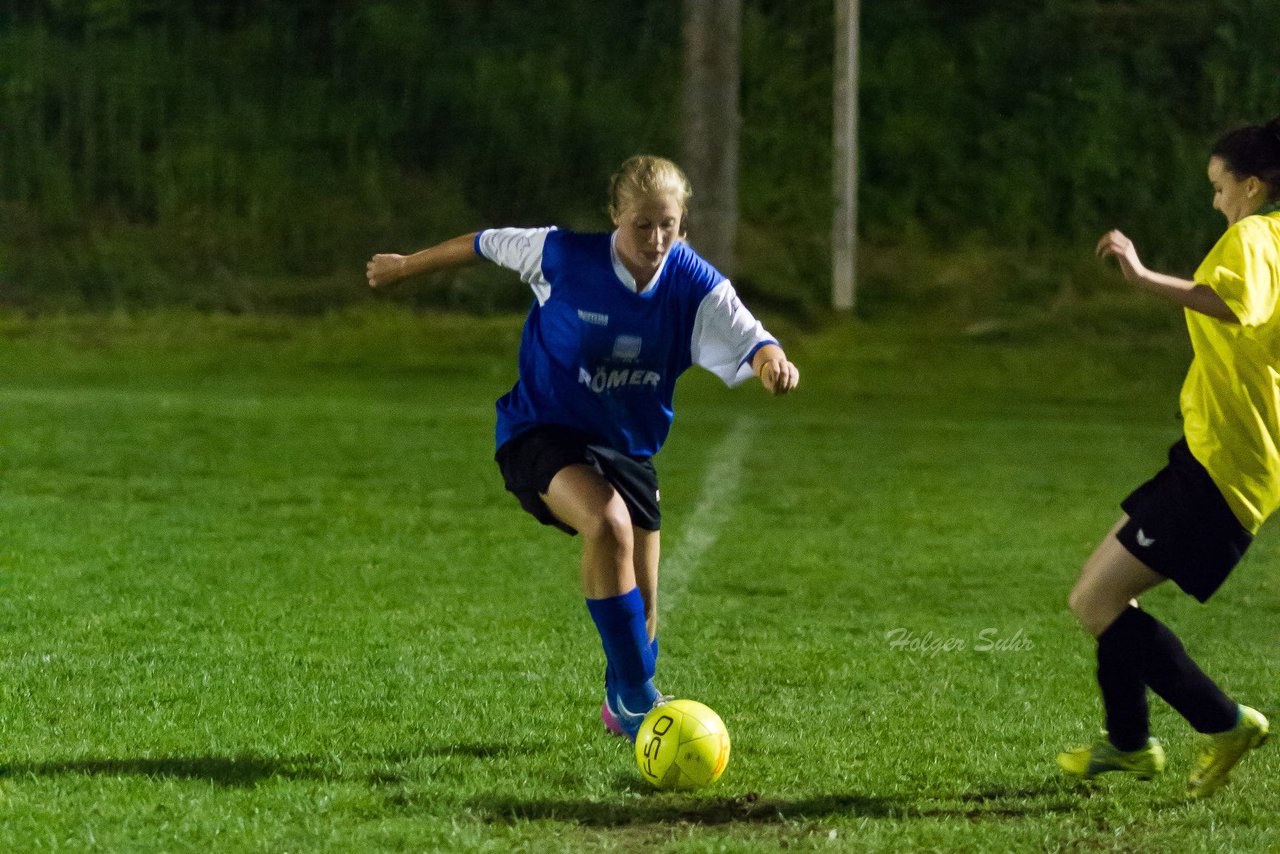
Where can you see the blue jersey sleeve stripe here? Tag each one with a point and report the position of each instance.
(476, 243)
(755, 350)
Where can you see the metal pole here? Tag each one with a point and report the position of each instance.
(844, 224)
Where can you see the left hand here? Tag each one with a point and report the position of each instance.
(779, 376)
(383, 270)
(1114, 244)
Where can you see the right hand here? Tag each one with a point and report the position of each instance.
(383, 270)
(779, 376)
(1114, 244)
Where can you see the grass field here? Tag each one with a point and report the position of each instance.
(261, 590)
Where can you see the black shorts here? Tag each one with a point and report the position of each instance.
(530, 460)
(1181, 527)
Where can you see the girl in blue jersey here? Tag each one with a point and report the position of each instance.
(616, 318)
(1194, 520)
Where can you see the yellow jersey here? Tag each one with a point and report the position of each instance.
(1231, 397)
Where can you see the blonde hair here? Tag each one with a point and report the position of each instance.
(645, 176)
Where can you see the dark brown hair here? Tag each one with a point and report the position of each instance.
(1253, 151)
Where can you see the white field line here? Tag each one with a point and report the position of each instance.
(714, 507)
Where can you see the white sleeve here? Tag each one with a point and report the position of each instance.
(726, 335)
(518, 249)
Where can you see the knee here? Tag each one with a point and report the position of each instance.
(1094, 610)
(1086, 606)
(609, 527)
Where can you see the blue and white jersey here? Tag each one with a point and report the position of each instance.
(601, 352)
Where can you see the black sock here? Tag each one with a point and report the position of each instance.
(1163, 664)
(1124, 693)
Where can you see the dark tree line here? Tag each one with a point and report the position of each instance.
(252, 152)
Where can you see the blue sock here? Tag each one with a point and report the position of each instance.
(608, 669)
(620, 622)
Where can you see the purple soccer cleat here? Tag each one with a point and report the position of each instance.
(627, 724)
(611, 723)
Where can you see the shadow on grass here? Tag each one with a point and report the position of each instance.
(660, 808)
(248, 770)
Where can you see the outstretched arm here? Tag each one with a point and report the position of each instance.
(777, 374)
(384, 270)
(1183, 292)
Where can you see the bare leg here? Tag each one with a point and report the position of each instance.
(1136, 651)
(1109, 582)
(647, 550)
(585, 501)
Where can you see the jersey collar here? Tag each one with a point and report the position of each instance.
(624, 275)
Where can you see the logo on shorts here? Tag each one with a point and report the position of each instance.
(1144, 540)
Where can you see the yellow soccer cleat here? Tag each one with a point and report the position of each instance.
(1100, 757)
(1221, 752)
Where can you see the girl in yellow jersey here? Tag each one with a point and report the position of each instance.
(1194, 520)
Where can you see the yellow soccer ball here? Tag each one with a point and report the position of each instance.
(682, 744)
